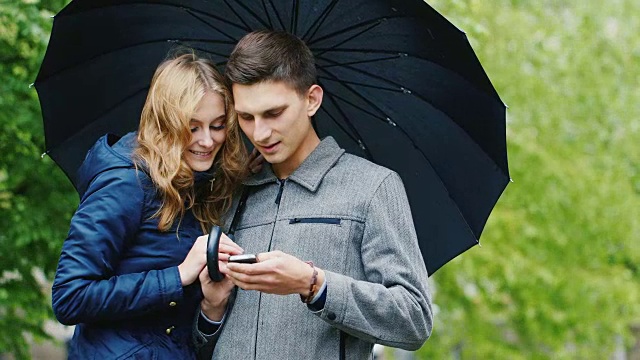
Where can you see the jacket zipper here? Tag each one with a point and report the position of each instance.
(335, 221)
(278, 198)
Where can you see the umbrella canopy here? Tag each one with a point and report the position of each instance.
(402, 85)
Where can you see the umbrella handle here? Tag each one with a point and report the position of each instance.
(212, 253)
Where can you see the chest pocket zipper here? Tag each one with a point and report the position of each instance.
(334, 221)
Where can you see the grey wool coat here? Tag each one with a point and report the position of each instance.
(352, 219)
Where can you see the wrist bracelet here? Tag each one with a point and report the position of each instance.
(312, 285)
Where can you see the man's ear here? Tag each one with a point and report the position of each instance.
(314, 97)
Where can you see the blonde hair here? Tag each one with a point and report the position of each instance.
(177, 87)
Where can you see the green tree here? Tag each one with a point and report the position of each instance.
(36, 200)
(557, 274)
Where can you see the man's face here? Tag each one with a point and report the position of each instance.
(276, 119)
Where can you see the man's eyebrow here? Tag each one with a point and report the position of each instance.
(275, 108)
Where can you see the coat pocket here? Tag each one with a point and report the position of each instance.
(315, 220)
(327, 241)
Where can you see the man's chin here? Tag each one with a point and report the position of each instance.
(271, 159)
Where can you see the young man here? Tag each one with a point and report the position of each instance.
(330, 229)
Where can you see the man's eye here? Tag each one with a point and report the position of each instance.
(245, 117)
(274, 114)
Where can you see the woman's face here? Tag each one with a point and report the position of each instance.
(207, 132)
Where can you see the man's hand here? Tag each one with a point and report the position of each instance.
(274, 273)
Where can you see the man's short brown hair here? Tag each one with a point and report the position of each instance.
(268, 55)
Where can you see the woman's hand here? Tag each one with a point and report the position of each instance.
(255, 161)
(196, 259)
(216, 294)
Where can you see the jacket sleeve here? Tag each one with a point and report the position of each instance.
(393, 307)
(86, 287)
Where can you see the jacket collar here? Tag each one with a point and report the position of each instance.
(312, 170)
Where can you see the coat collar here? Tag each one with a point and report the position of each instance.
(312, 170)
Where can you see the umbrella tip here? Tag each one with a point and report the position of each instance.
(511, 180)
(31, 85)
(44, 154)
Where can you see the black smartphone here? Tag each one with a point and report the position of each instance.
(243, 259)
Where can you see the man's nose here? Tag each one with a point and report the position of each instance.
(261, 131)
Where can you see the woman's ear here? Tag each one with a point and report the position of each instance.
(314, 98)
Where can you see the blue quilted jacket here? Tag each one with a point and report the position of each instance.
(117, 278)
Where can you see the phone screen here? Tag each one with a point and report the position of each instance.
(243, 259)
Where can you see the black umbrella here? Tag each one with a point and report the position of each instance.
(403, 88)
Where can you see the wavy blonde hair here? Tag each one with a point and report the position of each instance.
(177, 87)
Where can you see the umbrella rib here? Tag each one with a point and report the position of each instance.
(295, 9)
(180, 6)
(398, 86)
(211, 26)
(370, 24)
(266, 12)
(403, 54)
(404, 90)
(350, 38)
(360, 62)
(386, 118)
(226, 21)
(357, 137)
(381, 116)
(277, 15)
(462, 78)
(366, 111)
(247, 27)
(361, 84)
(369, 51)
(317, 23)
(255, 16)
(132, 46)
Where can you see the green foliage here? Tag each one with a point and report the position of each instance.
(36, 200)
(557, 275)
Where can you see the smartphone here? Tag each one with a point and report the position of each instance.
(243, 259)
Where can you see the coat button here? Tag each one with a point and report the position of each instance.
(331, 316)
(173, 303)
(169, 329)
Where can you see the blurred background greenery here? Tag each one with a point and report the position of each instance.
(557, 275)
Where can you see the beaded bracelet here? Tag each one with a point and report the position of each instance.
(312, 285)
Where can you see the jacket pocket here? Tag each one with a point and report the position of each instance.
(143, 352)
(334, 221)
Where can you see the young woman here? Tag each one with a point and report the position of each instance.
(127, 275)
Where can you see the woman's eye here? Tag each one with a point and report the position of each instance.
(194, 129)
(217, 128)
